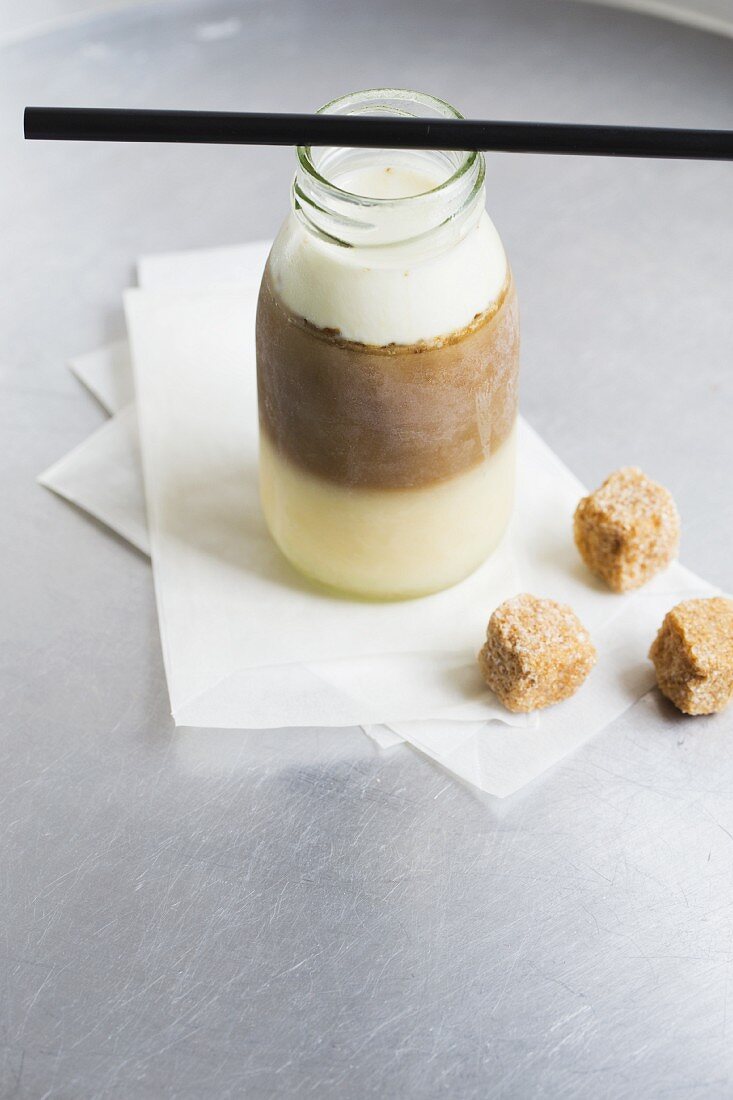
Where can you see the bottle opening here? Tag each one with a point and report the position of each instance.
(366, 197)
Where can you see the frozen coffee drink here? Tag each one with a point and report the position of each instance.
(387, 359)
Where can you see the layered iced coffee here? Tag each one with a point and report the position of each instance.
(387, 351)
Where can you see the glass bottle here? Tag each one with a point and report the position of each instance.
(387, 359)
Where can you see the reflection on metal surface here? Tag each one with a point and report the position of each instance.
(715, 16)
(20, 19)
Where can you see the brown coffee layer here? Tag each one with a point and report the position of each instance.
(394, 417)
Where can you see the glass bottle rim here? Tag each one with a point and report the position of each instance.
(361, 99)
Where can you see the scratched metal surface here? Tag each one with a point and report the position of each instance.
(193, 913)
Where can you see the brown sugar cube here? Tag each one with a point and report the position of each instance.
(693, 655)
(537, 653)
(627, 530)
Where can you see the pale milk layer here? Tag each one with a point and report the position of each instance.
(387, 544)
(372, 298)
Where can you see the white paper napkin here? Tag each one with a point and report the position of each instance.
(107, 373)
(490, 754)
(103, 476)
(493, 757)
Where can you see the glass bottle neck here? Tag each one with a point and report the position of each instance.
(392, 199)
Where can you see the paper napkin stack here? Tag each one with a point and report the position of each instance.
(247, 643)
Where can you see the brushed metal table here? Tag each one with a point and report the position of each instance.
(194, 913)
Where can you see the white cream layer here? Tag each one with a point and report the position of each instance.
(391, 294)
(393, 543)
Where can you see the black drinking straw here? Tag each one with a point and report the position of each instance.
(374, 132)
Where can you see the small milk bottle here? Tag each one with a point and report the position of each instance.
(387, 360)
